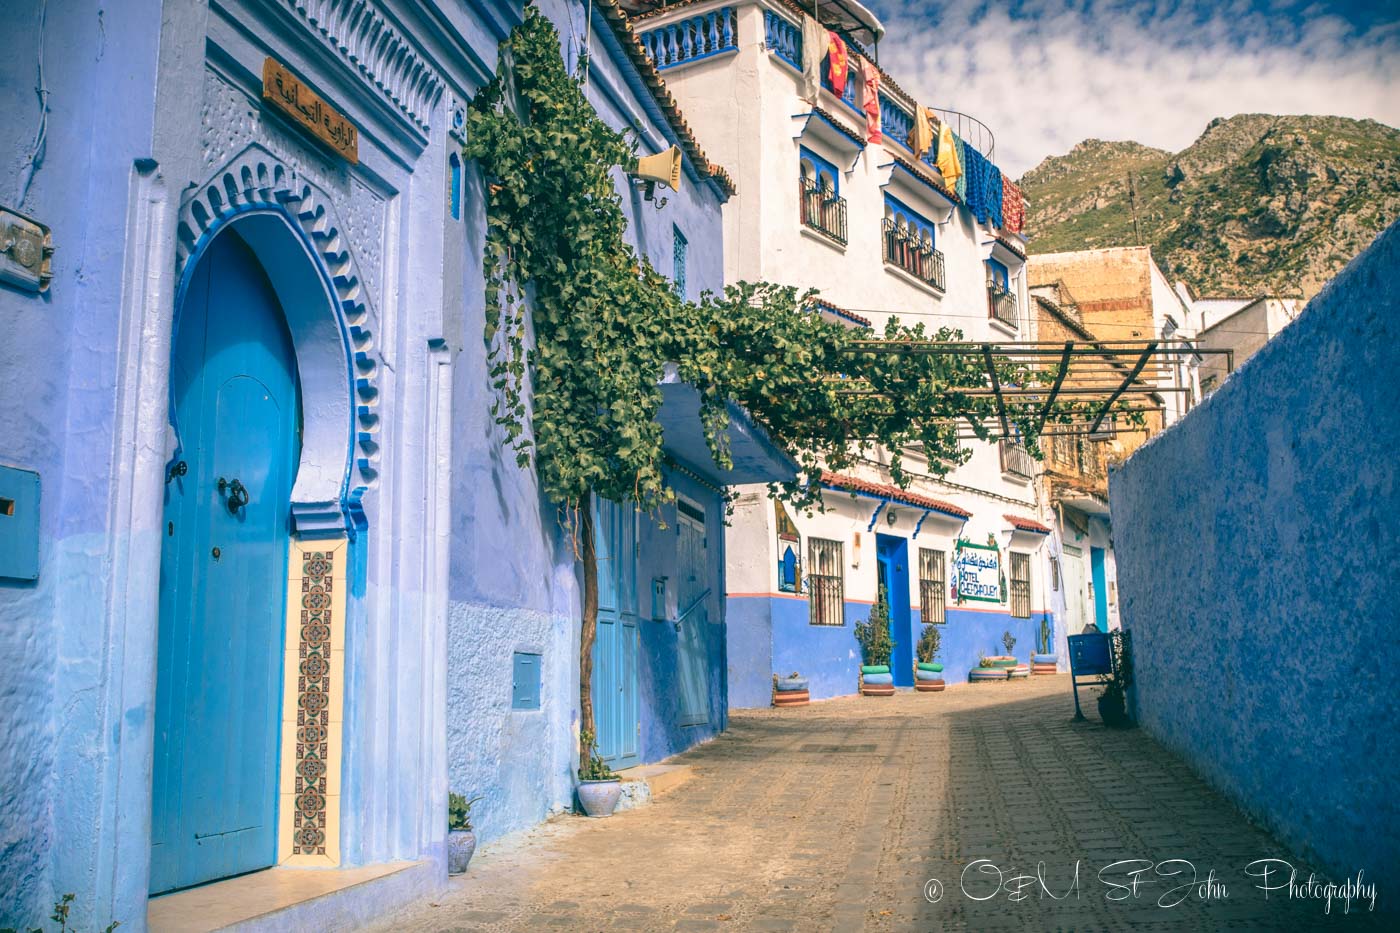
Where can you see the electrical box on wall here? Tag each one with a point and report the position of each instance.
(658, 599)
(25, 251)
(19, 524)
(525, 681)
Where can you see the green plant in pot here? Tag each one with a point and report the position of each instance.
(1009, 640)
(1113, 702)
(599, 787)
(876, 647)
(928, 673)
(461, 841)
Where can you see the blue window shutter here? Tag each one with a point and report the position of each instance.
(679, 248)
(525, 681)
(1000, 274)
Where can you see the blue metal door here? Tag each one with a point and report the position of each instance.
(223, 575)
(615, 710)
(892, 554)
(1100, 588)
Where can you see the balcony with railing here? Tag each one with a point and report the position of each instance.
(1001, 305)
(822, 209)
(697, 37)
(909, 250)
(1016, 461)
(896, 123)
(784, 39)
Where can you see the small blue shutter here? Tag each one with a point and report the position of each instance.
(678, 258)
(525, 681)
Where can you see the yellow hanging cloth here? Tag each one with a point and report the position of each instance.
(948, 165)
(921, 136)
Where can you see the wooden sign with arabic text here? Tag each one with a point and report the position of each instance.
(306, 108)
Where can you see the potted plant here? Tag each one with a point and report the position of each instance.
(876, 646)
(461, 841)
(790, 690)
(928, 673)
(599, 788)
(1113, 707)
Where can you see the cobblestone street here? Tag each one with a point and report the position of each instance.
(841, 816)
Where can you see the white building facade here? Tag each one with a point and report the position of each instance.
(822, 202)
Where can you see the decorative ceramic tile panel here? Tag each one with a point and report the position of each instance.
(309, 819)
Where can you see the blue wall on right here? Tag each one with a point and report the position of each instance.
(1266, 653)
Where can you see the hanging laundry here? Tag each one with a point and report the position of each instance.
(921, 136)
(994, 191)
(837, 63)
(1013, 206)
(870, 75)
(949, 165)
(813, 49)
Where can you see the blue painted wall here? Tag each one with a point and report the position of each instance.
(829, 655)
(58, 373)
(514, 584)
(1265, 654)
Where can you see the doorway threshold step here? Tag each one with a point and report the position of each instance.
(659, 779)
(292, 899)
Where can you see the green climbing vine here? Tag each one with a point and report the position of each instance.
(579, 329)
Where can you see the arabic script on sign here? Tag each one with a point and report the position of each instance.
(306, 108)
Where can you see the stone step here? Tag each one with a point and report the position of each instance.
(642, 784)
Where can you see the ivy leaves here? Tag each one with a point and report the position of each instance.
(577, 376)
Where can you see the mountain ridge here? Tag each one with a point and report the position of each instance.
(1258, 203)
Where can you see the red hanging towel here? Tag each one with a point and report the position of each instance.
(871, 101)
(1013, 206)
(837, 64)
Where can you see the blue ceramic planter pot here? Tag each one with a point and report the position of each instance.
(460, 846)
(599, 798)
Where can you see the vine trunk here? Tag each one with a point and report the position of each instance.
(588, 632)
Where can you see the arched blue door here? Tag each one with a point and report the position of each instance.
(223, 573)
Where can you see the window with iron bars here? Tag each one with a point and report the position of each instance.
(819, 197)
(1020, 585)
(908, 243)
(826, 583)
(933, 589)
(1016, 460)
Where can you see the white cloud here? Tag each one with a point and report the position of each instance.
(1060, 71)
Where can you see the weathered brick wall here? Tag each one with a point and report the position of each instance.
(1267, 651)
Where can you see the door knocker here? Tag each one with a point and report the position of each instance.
(236, 493)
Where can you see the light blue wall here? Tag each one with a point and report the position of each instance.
(1259, 572)
(58, 374)
(829, 656)
(514, 583)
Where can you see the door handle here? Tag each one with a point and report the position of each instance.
(235, 493)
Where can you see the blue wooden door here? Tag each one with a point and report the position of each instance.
(692, 634)
(615, 710)
(1100, 588)
(892, 555)
(223, 574)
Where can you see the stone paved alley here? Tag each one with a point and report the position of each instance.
(836, 816)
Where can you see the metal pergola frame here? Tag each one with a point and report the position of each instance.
(1090, 376)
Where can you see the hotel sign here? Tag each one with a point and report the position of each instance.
(977, 572)
(305, 108)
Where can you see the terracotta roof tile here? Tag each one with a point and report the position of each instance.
(842, 481)
(923, 174)
(1018, 251)
(841, 312)
(1026, 524)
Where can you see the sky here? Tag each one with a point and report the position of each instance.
(1046, 74)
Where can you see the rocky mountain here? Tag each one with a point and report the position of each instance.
(1257, 203)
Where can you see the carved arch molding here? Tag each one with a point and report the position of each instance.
(256, 180)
